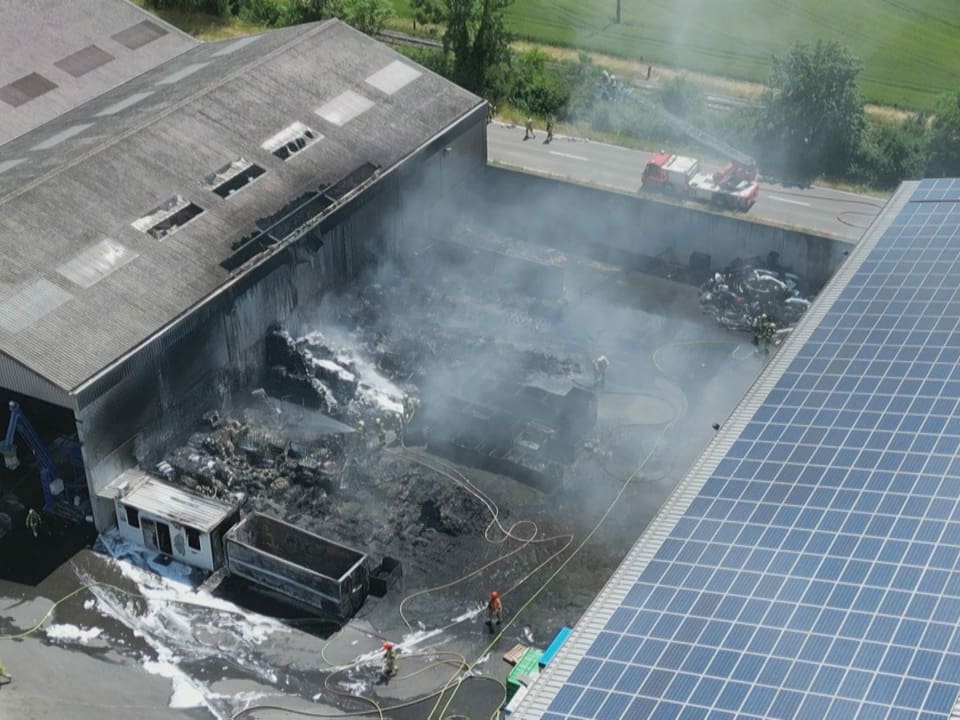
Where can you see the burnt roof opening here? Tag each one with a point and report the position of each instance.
(352, 181)
(231, 178)
(168, 217)
(291, 140)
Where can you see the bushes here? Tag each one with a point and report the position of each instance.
(683, 98)
(889, 153)
(431, 58)
(535, 86)
(367, 16)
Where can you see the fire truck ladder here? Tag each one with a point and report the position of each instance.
(696, 133)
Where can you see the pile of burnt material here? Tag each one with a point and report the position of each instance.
(523, 432)
(308, 372)
(279, 450)
(739, 296)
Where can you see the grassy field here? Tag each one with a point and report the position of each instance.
(910, 48)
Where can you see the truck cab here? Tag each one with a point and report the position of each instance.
(670, 173)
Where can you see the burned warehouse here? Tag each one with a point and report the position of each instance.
(153, 233)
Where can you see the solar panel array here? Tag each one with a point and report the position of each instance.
(816, 571)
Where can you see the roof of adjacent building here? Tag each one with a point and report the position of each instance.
(807, 567)
(90, 270)
(57, 55)
(150, 495)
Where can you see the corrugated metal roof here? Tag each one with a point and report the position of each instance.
(145, 142)
(57, 55)
(150, 495)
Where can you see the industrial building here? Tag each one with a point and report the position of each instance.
(164, 201)
(807, 565)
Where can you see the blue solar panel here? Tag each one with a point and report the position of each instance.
(816, 574)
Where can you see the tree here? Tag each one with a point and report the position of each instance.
(944, 159)
(427, 12)
(367, 16)
(477, 38)
(813, 114)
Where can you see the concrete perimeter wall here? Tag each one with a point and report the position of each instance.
(628, 230)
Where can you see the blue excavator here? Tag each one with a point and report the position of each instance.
(64, 497)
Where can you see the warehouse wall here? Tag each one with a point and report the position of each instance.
(140, 408)
(615, 226)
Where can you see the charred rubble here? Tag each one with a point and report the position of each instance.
(320, 443)
(747, 291)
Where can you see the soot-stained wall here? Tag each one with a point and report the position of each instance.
(612, 226)
(131, 413)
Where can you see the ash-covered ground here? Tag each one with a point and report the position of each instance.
(455, 328)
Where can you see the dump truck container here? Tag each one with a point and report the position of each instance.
(298, 564)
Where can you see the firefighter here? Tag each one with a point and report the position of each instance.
(381, 431)
(409, 408)
(361, 435)
(396, 420)
(494, 610)
(529, 130)
(389, 660)
(600, 371)
(549, 130)
(33, 522)
(5, 677)
(768, 329)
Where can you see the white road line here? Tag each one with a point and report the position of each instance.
(782, 199)
(568, 155)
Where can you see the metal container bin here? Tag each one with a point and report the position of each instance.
(298, 564)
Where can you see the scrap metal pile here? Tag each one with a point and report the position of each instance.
(745, 296)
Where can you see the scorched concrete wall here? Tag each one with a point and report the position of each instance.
(615, 226)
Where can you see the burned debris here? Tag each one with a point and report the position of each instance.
(751, 298)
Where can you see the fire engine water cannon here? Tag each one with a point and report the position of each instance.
(733, 186)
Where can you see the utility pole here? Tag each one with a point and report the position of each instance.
(618, 12)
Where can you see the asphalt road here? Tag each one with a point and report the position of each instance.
(836, 213)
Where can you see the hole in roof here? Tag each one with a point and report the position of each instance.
(90, 266)
(26, 89)
(10, 164)
(125, 103)
(30, 303)
(291, 140)
(344, 108)
(61, 136)
(139, 35)
(230, 178)
(234, 46)
(393, 77)
(182, 73)
(83, 61)
(168, 217)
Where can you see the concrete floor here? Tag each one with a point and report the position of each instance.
(673, 373)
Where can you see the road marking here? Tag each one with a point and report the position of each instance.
(792, 202)
(568, 155)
